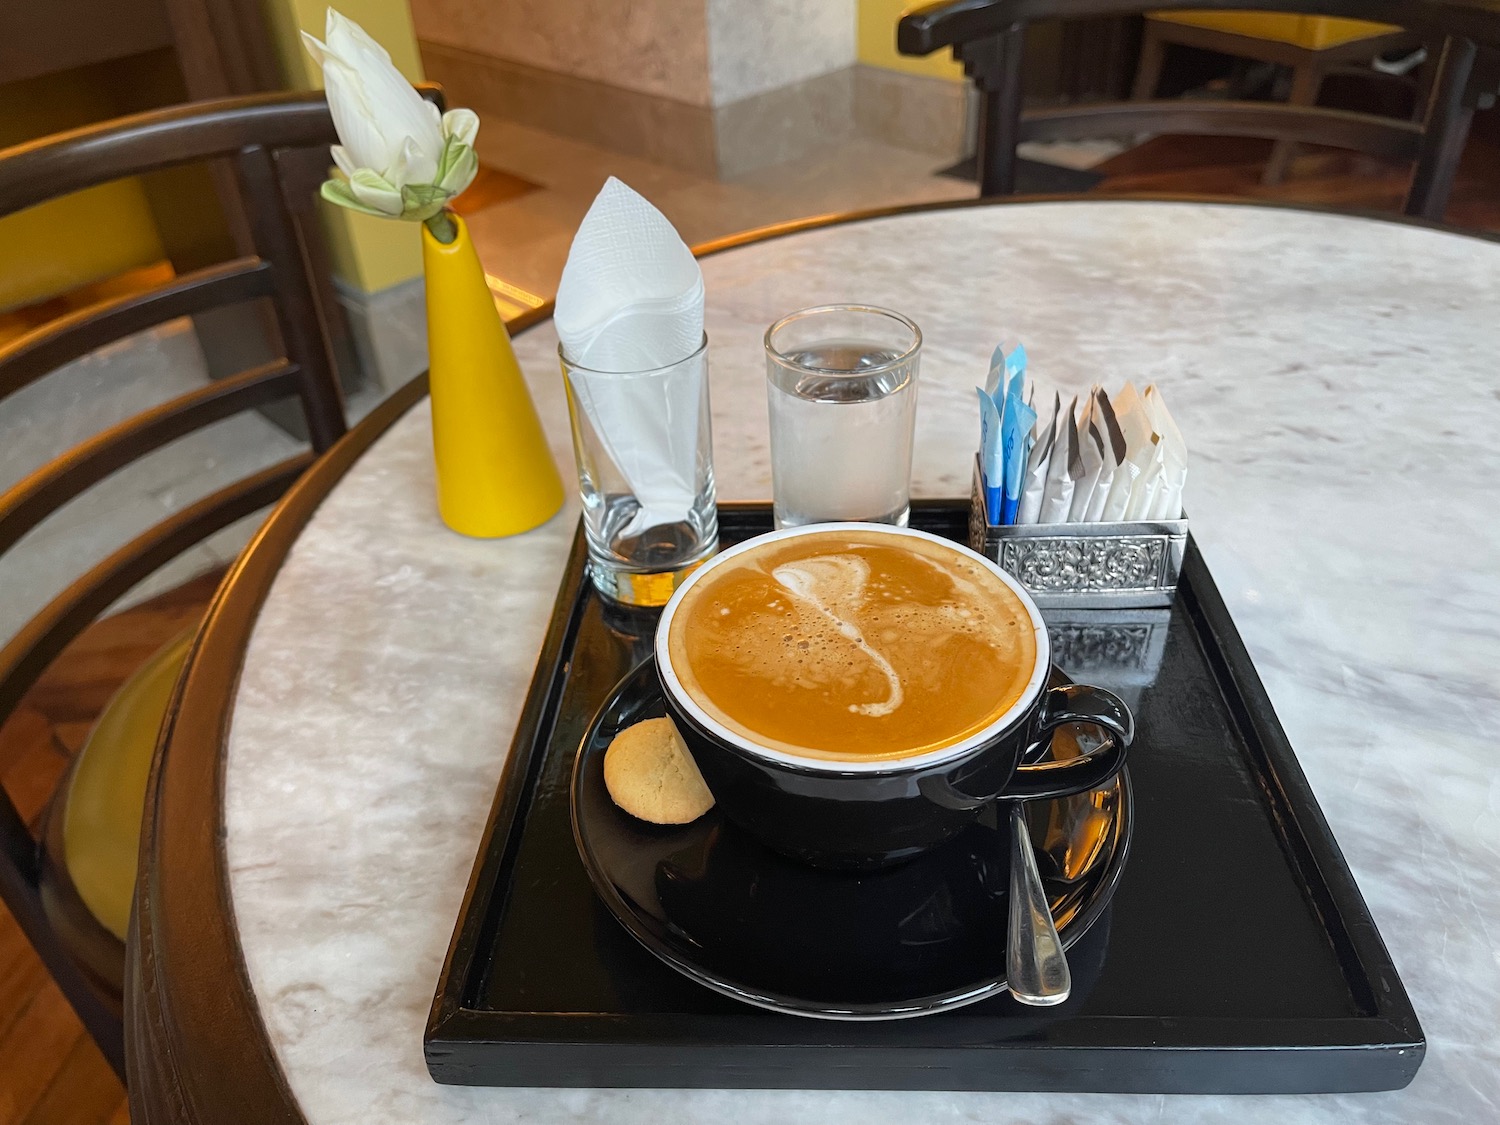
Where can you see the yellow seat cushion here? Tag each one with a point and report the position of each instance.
(106, 795)
(1316, 33)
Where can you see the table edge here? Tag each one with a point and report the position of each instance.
(197, 1050)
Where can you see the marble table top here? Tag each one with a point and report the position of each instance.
(1335, 378)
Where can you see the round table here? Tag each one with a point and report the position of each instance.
(323, 787)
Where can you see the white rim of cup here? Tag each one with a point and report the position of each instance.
(1020, 707)
(817, 310)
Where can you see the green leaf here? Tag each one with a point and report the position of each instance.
(371, 189)
(419, 202)
(422, 194)
(453, 152)
(461, 172)
(337, 191)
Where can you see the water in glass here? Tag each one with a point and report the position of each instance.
(841, 434)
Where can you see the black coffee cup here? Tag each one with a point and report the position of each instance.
(869, 814)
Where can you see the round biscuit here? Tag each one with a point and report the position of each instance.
(651, 775)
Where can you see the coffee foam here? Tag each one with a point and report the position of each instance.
(856, 639)
(834, 587)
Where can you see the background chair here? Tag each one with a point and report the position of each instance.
(69, 884)
(1309, 46)
(987, 36)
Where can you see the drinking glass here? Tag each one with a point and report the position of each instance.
(644, 449)
(842, 385)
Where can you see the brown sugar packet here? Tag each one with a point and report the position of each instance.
(650, 774)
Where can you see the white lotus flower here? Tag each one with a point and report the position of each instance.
(400, 158)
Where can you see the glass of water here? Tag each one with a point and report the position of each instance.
(644, 447)
(842, 383)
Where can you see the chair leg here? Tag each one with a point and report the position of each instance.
(995, 65)
(1148, 68)
(1307, 79)
(1426, 75)
(1446, 129)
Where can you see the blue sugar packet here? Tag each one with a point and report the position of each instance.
(1003, 411)
(1015, 364)
(1003, 368)
(1016, 420)
(992, 384)
(991, 455)
(1015, 441)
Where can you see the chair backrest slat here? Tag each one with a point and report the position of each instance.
(42, 492)
(43, 637)
(1392, 139)
(296, 306)
(46, 348)
(164, 138)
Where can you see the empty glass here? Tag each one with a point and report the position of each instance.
(644, 449)
(842, 385)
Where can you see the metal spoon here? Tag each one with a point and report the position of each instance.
(1036, 969)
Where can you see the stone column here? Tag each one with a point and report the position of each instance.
(714, 87)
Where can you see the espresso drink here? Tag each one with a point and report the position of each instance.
(852, 645)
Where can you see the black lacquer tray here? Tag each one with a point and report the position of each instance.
(1236, 956)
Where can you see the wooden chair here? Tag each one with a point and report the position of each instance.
(987, 37)
(1309, 46)
(70, 889)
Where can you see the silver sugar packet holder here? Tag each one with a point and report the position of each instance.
(1084, 565)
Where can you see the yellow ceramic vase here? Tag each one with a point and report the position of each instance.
(495, 473)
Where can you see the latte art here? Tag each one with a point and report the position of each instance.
(854, 645)
(833, 585)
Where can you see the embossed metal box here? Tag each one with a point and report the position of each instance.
(1084, 565)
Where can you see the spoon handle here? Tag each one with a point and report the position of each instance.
(1035, 965)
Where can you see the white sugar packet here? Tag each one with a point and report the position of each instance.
(1035, 483)
(1143, 495)
(1167, 504)
(1064, 468)
(1091, 453)
(1140, 452)
(1114, 454)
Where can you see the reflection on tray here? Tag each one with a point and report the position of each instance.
(1120, 649)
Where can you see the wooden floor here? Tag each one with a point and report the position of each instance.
(49, 1069)
(1231, 166)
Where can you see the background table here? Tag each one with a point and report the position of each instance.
(1335, 379)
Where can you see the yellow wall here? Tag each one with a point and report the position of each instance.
(1316, 33)
(877, 42)
(368, 253)
(94, 234)
(64, 243)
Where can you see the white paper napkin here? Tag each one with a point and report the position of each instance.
(631, 300)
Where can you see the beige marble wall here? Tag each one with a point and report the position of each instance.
(755, 46)
(659, 129)
(656, 47)
(914, 111)
(713, 87)
(792, 122)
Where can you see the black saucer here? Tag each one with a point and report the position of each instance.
(923, 937)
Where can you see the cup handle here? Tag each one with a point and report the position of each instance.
(1070, 703)
(1076, 703)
